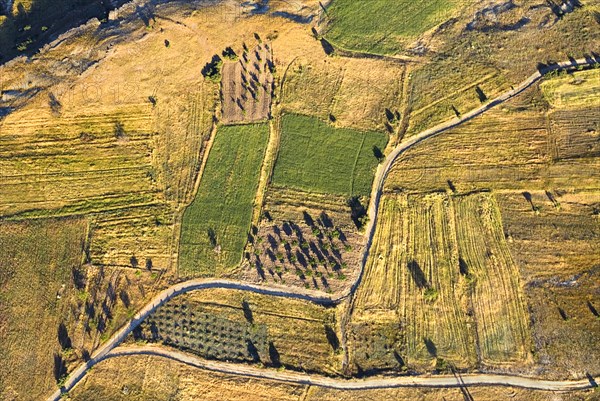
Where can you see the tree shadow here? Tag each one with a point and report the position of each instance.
(332, 337)
(431, 348)
(60, 368)
(316, 250)
(417, 274)
(463, 267)
(563, 314)
(271, 256)
(592, 309)
(252, 351)
(390, 115)
(399, 359)
(274, 355)
(78, 278)
(327, 47)
(247, 312)
(482, 96)
(377, 153)
(125, 298)
(272, 241)
(301, 259)
(63, 337)
(357, 211)
(325, 220)
(212, 237)
(528, 198)
(154, 334)
(259, 269)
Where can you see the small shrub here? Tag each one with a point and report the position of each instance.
(431, 294)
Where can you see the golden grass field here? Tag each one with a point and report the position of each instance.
(39, 306)
(488, 50)
(526, 205)
(448, 283)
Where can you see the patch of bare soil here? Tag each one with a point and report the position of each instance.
(305, 240)
(247, 85)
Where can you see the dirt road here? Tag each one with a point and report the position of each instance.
(326, 299)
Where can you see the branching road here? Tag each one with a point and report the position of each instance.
(329, 300)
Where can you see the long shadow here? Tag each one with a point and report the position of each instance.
(417, 274)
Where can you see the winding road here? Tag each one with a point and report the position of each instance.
(106, 350)
(352, 384)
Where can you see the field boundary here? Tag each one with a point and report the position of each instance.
(312, 296)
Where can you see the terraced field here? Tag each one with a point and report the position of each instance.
(497, 299)
(57, 161)
(216, 224)
(526, 205)
(416, 284)
(488, 47)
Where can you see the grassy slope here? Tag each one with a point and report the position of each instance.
(494, 60)
(35, 262)
(224, 202)
(380, 25)
(314, 156)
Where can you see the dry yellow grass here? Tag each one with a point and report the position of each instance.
(356, 92)
(141, 378)
(493, 48)
(496, 295)
(39, 304)
(412, 279)
(534, 225)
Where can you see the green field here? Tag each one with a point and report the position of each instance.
(315, 156)
(383, 26)
(216, 224)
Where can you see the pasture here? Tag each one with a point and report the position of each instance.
(316, 157)
(216, 224)
(477, 57)
(356, 92)
(382, 26)
(141, 378)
